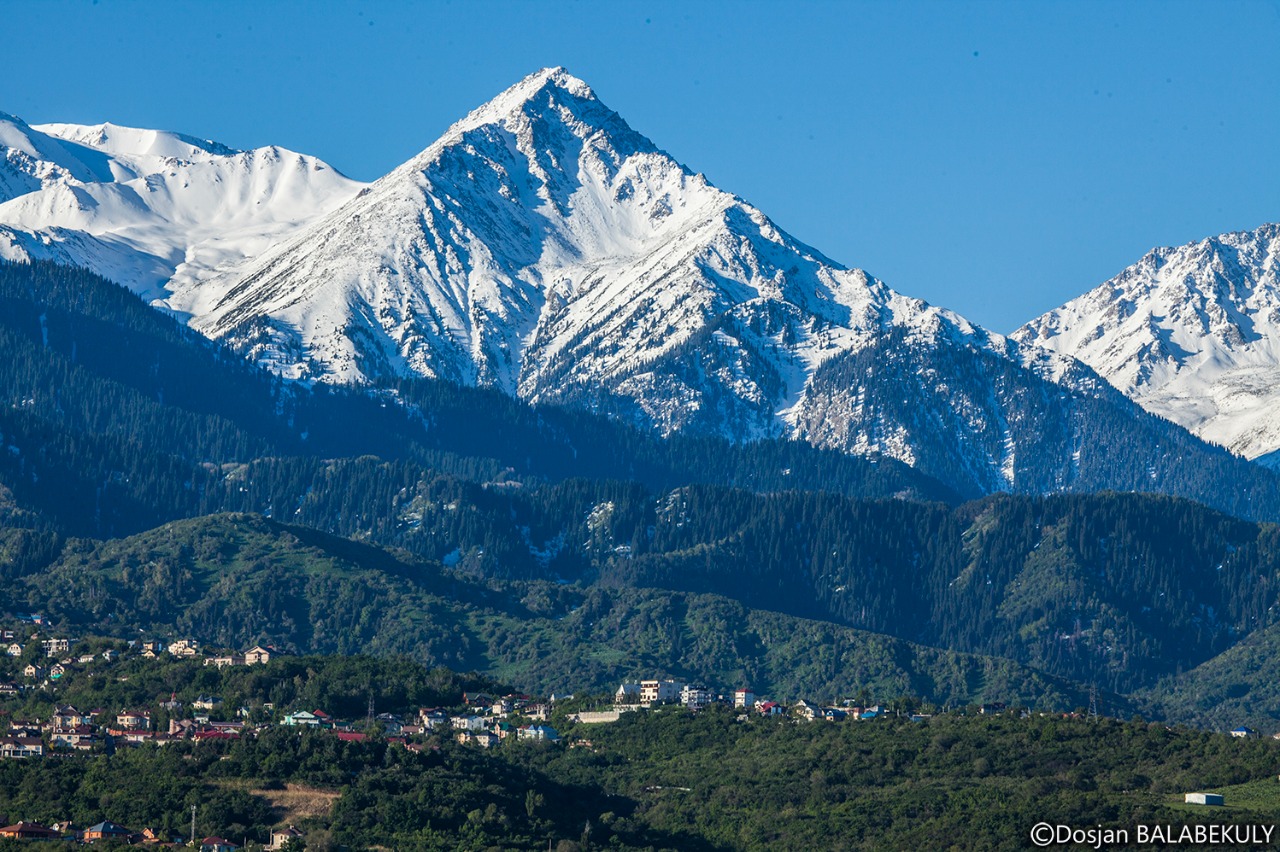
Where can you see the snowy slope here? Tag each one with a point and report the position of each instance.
(1190, 333)
(542, 245)
(31, 160)
(159, 212)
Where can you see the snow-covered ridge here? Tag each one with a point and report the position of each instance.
(132, 143)
(159, 212)
(1190, 333)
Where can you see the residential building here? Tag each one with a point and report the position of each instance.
(207, 702)
(67, 716)
(467, 723)
(659, 692)
(538, 733)
(134, 720)
(82, 737)
(260, 654)
(106, 831)
(484, 739)
(695, 697)
(432, 718)
(20, 748)
(806, 710)
(280, 837)
(184, 648)
(744, 698)
(29, 831)
(390, 723)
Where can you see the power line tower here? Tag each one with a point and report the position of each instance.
(193, 825)
(1093, 701)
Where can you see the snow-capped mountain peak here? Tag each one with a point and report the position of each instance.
(539, 86)
(542, 245)
(1191, 333)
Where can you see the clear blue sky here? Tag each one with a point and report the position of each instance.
(996, 158)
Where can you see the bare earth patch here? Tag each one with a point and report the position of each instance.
(297, 802)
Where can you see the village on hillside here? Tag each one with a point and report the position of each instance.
(481, 720)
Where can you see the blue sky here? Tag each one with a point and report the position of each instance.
(996, 158)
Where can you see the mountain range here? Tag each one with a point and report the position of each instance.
(587, 415)
(543, 248)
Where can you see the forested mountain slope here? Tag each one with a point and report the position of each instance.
(1112, 590)
(233, 580)
(116, 418)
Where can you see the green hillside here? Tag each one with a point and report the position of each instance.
(233, 580)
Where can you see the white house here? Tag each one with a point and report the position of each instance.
(659, 692)
(280, 837)
(695, 697)
(467, 723)
(184, 648)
